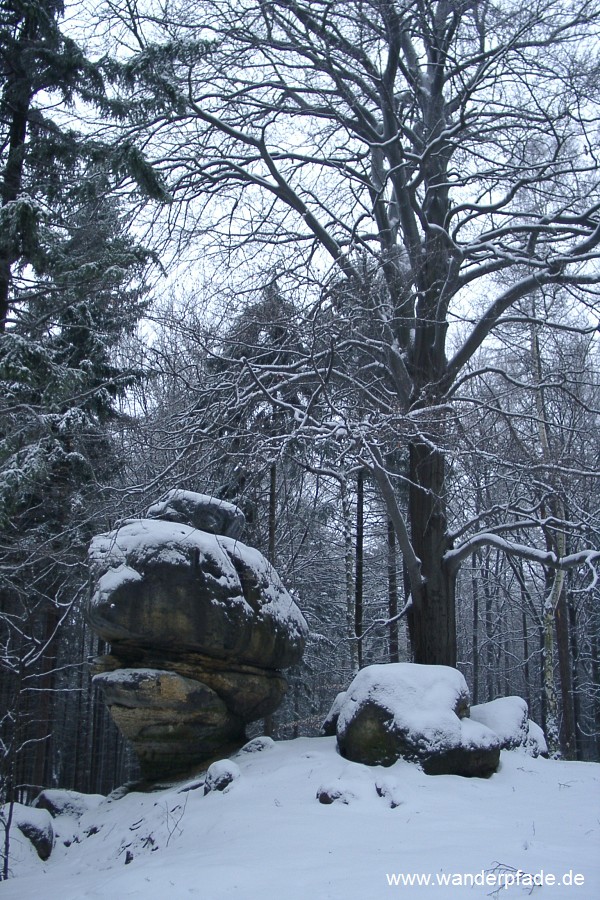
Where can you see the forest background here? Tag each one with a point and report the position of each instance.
(336, 262)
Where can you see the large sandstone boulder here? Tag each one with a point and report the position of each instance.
(200, 627)
(410, 711)
(169, 586)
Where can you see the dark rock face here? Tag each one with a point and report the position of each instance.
(409, 711)
(200, 627)
(329, 726)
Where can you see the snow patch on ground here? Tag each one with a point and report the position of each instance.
(270, 838)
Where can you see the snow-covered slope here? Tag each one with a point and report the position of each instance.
(267, 836)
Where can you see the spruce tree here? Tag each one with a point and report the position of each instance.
(71, 287)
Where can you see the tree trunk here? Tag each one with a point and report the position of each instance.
(574, 645)
(268, 721)
(526, 675)
(567, 727)
(475, 592)
(349, 573)
(272, 511)
(17, 97)
(392, 593)
(432, 620)
(358, 580)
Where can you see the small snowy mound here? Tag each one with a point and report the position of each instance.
(258, 745)
(536, 740)
(35, 825)
(508, 717)
(411, 711)
(220, 775)
(67, 803)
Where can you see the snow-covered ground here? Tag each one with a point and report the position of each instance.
(267, 836)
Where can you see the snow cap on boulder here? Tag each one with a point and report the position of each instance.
(199, 511)
(61, 802)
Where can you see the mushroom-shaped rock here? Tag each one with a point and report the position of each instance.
(170, 586)
(199, 511)
(200, 628)
(411, 711)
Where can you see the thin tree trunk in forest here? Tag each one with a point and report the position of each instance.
(358, 582)
(543, 704)
(555, 542)
(595, 660)
(349, 572)
(17, 97)
(552, 727)
(526, 675)
(44, 705)
(272, 511)
(268, 722)
(574, 672)
(489, 631)
(475, 593)
(567, 729)
(392, 592)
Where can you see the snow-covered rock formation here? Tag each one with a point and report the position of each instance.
(200, 628)
(418, 712)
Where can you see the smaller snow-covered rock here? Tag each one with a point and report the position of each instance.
(536, 740)
(328, 794)
(199, 511)
(390, 791)
(258, 744)
(416, 712)
(330, 721)
(67, 803)
(220, 775)
(507, 717)
(476, 756)
(36, 826)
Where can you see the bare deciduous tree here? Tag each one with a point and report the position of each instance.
(441, 156)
